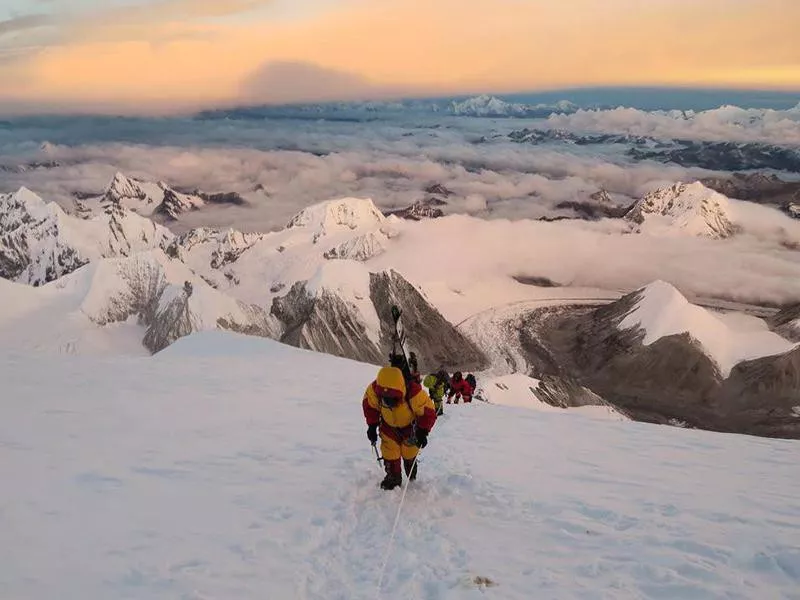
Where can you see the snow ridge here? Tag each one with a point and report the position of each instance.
(661, 310)
(41, 243)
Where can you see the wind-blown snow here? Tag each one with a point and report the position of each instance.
(662, 311)
(231, 467)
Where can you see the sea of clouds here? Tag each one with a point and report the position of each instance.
(281, 162)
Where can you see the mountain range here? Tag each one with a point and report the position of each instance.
(158, 201)
(712, 155)
(116, 281)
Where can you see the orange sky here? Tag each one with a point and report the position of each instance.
(184, 55)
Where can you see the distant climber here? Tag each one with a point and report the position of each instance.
(438, 384)
(403, 413)
(460, 389)
(473, 384)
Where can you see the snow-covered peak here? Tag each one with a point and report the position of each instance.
(661, 310)
(23, 206)
(39, 242)
(691, 209)
(491, 106)
(338, 215)
(122, 187)
(486, 105)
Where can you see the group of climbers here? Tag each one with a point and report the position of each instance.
(401, 413)
(456, 389)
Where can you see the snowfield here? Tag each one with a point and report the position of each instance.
(234, 467)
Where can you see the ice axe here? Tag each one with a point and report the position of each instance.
(377, 456)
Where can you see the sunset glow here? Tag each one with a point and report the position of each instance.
(175, 54)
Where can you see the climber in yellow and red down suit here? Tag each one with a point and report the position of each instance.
(405, 414)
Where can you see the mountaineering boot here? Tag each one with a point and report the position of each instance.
(393, 478)
(411, 469)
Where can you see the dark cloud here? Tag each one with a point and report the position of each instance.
(288, 81)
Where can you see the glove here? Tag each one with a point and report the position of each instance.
(422, 437)
(372, 434)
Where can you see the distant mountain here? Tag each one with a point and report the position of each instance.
(599, 205)
(716, 156)
(724, 156)
(144, 301)
(263, 265)
(39, 242)
(155, 200)
(761, 188)
(659, 358)
(345, 310)
(421, 209)
(491, 106)
(691, 209)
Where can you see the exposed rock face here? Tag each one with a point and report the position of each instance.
(762, 397)
(165, 297)
(593, 210)
(180, 312)
(687, 208)
(715, 156)
(437, 189)
(358, 325)
(324, 322)
(787, 322)
(724, 156)
(672, 379)
(421, 209)
(761, 188)
(40, 243)
(434, 339)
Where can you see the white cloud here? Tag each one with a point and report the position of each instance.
(745, 268)
(727, 123)
(498, 179)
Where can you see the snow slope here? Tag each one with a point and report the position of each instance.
(120, 306)
(232, 467)
(661, 310)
